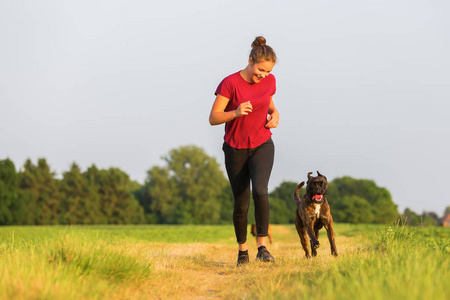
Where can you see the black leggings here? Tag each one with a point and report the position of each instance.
(243, 166)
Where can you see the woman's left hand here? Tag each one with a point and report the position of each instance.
(273, 120)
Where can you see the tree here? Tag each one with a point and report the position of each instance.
(279, 212)
(39, 182)
(446, 211)
(363, 193)
(430, 219)
(282, 203)
(8, 191)
(80, 201)
(160, 197)
(411, 218)
(353, 209)
(188, 190)
(117, 203)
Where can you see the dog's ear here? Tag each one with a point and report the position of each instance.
(318, 173)
(309, 176)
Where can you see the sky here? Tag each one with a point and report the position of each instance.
(363, 87)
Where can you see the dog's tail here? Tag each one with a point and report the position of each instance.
(297, 190)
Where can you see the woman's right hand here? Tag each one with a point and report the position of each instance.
(244, 109)
(218, 115)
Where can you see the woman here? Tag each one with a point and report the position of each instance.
(244, 103)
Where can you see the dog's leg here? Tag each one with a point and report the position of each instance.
(312, 236)
(301, 230)
(314, 250)
(304, 241)
(330, 233)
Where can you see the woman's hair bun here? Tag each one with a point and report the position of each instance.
(259, 41)
(260, 51)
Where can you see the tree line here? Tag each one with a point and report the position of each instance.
(190, 188)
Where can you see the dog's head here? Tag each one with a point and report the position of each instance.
(317, 187)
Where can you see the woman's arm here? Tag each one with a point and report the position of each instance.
(218, 114)
(274, 115)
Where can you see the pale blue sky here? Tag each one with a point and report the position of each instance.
(363, 87)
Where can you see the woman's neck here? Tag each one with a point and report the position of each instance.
(244, 74)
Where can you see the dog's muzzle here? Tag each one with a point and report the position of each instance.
(318, 199)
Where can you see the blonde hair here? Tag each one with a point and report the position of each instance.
(261, 51)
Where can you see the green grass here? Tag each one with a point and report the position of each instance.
(185, 262)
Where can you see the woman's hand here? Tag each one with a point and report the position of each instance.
(244, 109)
(218, 115)
(273, 120)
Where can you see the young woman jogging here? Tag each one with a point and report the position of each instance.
(244, 103)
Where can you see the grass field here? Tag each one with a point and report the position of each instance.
(199, 262)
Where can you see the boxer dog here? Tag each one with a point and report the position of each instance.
(313, 213)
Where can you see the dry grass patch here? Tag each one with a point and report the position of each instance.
(206, 271)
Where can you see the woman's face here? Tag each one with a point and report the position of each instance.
(259, 70)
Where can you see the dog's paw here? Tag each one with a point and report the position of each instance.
(315, 245)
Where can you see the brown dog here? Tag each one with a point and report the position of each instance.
(313, 213)
(254, 233)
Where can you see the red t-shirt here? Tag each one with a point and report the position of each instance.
(248, 131)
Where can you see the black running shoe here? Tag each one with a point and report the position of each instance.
(243, 258)
(264, 255)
